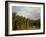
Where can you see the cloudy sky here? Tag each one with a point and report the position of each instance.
(28, 12)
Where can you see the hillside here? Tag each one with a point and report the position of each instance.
(22, 23)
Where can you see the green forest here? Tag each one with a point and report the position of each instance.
(22, 23)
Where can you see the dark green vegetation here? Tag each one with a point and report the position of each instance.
(21, 23)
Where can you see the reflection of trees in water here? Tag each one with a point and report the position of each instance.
(21, 23)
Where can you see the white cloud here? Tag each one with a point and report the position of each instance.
(28, 12)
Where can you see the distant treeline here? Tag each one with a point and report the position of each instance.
(22, 23)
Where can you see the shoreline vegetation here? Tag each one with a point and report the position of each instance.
(22, 23)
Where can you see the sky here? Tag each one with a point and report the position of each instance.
(27, 12)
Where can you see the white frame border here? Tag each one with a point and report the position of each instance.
(23, 31)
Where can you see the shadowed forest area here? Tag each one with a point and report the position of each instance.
(22, 23)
